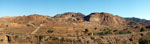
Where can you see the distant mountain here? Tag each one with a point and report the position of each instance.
(138, 20)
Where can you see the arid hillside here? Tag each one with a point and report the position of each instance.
(72, 28)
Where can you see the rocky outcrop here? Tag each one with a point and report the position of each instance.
(106, 19)
(70, 16)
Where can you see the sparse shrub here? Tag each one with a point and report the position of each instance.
(102, 37)
(69, 35)
(142, 34)
(79, 40)
(1, 40)
(108, 32)
(28, 25)
(88, 42)
(95, 28)
(144, 41)
(16, 36)
(101, 33)
(142, 30)
(115, 30)
(92, 37)
(50, 31)
(124, 32)
(6, 25)
(83, 38)
(62, 39)
(68, 40)
(141, 23)
(104, 33)
(130, 39)
(41, 37)
(86, 31)
(54, 38)
(129, 32)
(89, 33)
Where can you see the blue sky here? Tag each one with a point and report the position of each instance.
(124, 8)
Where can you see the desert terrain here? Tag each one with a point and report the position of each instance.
(73, 28)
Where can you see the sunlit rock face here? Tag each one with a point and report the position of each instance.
(106, 19)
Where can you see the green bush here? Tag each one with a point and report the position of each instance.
(104, 33)
(16, 36)
(115, 30)
(50, 31)
(124, 32)
(108, 32)
(41, 37)
(100, 33)
(144, 41)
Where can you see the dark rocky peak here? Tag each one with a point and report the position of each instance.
(138, 20)
(69, 15)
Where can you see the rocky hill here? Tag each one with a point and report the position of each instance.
(106, 19)
(68, 28)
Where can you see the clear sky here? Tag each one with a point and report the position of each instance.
(124, 8)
